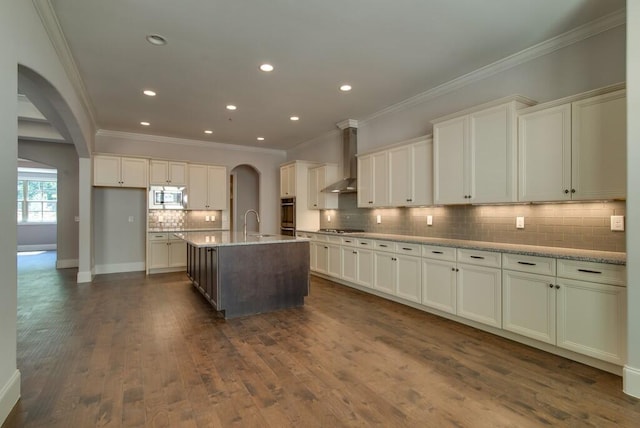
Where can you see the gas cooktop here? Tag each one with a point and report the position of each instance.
(341, 230)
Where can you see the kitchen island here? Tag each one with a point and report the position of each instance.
(248, 274)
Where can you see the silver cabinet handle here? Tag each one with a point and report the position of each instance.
(588, 271)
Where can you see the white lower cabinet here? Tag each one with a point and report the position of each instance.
(398, 274)
(349, 264)
(408, 278)
(365, 267)
(166, 252)
(479, 294)
(439, 285)
(334, 260)
(322, 257)
(384, 266)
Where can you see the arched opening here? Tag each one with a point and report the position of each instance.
(245, 195)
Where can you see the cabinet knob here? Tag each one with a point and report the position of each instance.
(566, 191)
(573, 190)
(409, 200)
(453, 269)
(370, 202)
(557, 287)
(550, 285)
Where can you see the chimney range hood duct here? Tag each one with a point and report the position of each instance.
(349, 162)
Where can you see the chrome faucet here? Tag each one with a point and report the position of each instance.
(245, 220)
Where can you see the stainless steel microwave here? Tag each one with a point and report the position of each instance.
(167, 198)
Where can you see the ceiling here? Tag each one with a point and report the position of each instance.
(387, 50)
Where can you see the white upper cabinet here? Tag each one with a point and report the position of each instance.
(207, 187)
(574, 150)
(167, 173)
(365, 181)
(410, 177)
(475, 154)
(319, 178)
(288, 181)
(116, 171)
(373, 183)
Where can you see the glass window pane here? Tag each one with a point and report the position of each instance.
(19, 211)
(35, 216)
(20, 190)
(49, 217)
(49, 206)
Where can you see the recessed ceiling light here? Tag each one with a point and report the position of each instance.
(145, 123)
(149, 93)
(231, 107)
(156, 39)
(260, 138)
(294, 118)
(208, 131)
(266, 67)
(345, 88)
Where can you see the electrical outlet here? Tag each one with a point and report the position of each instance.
(378, 219)
(76, 218)
(429, 220)
(329, 218)
(213, 218)
(519, 222)
(617, 223)
(160, 219)
(207, 218)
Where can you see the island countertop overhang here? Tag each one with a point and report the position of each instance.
(231, 238)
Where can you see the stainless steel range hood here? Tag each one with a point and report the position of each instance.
(349, 162)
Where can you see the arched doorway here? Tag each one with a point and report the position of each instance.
(245, 195)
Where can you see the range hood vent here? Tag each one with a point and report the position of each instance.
(349, 162)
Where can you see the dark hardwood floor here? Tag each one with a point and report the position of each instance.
(130, 350)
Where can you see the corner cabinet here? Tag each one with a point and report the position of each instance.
(207, 187)
(116, 171)
(475, 154)
(573, 150)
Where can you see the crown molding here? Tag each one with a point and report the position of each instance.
(147, 138)
(349, 123)
(590, 29)
(56, 36)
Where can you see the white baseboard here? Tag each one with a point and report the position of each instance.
(631, 381)
(9, 395)
(84, 276)
(120, 267)
(37, 247)
(65, 264)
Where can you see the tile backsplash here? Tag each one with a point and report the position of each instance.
(179, 219)
(583, 225)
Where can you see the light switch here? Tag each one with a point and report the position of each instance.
(617, 223)
(130, 219)
(429, 220)
(519, 222)
(76, 218)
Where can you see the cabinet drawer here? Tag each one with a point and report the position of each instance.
(365, 243)
(334, 239)
(533, 264)
(439, 253)
(405, 248)
(593, 272)
(350, 242)
(478, 257)
(385, 246)
(158, 236)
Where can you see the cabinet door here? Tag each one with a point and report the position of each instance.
(365, 268)
(158, 254)
(177, 173)
(384, 275)
(135, 172)
(159, 172)
(217, 188)
(449, 140)
(177, 253)
(408, 278)
(439, 285)
(599, 147)
(492, 154)
(479, 294)
(106, 171)
(401, 176)
(334, 261)
(380, 179)
(322, 258)
(197, 189)
(365, 181)
(284, 181)
(544, 145)
(529, 305)
(315, 175)
(349, 264)
(422, 173)
(592, 319)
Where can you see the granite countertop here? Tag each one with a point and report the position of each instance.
(176, 229)
(610, 257)
(226, 238)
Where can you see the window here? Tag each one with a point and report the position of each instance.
(37, 199)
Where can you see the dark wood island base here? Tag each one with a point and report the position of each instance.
(246, 279)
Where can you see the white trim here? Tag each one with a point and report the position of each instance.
(577, 97)
(428, 137)
(120, 267)
(349, 123)
(631, 381)
(9, 395)
(66, 264)
(37, 247)
(56, 36)
(493, 103)
(146, 138)
(84, 276)
(607, 22)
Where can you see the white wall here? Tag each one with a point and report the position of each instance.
(119, 244)
(266, 162)
(23, 40)
(247, 185)
(632, 370)
(37, 237)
